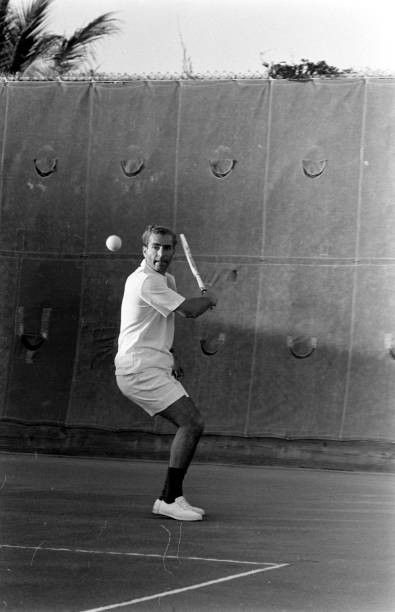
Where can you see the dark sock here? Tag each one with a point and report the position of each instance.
(173, 485)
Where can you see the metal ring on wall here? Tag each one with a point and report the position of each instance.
(301, 347)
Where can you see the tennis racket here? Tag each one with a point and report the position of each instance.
(192, 264)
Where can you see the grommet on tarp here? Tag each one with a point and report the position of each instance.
(32, 341)
(46, 161)
(222, 162)
(301, 347)
(389, 344)
(314, 163)
(134, 162)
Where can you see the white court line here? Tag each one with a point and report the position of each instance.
(200, 585)
(132, 554)
(191, 587)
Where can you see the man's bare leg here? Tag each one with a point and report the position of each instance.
(186, 417)
(188, 420)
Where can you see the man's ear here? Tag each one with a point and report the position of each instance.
(144, 249)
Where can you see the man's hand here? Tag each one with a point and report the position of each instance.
(212, 297)
(178, 373)
(177, 370)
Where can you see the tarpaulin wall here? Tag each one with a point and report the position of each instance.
(286, 192)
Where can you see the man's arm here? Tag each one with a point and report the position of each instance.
(196, 306)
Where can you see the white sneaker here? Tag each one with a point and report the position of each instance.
(185, 504)
(176, 510)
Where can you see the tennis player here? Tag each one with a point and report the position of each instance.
(146, 370)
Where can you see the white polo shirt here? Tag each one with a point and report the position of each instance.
(147, 321)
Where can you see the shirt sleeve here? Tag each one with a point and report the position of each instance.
(156, 293)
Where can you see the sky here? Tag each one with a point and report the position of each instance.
(234, 35)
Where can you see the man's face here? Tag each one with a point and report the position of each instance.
(159, 252)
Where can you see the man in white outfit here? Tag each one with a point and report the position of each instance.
(145, 364)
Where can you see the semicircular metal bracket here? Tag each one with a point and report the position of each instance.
(210, 346)
(32, 341)
(313, 168)
(132, 167)
(222, 167)
(45, 166)
(301, 347)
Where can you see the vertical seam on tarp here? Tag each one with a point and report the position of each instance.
(10, 365)
(258, 302)
(84, 261)
(266, 175)
(88, 163)
(3, 152)
(356, 255)
(15, 339)
(178, 130)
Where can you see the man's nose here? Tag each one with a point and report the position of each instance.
(160, 251)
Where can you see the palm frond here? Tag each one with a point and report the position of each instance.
(4, 15)
(32, 38)
(25, 42)
(74, 48)
(6, 34)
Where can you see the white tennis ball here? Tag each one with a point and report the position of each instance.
(113, 243)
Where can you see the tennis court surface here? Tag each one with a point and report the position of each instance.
(78, 535)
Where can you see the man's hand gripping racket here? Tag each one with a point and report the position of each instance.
(194, 269)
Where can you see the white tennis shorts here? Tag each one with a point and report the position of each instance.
(154, 389)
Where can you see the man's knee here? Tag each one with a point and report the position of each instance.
(183, 413)
(193, 421)
(198, 424)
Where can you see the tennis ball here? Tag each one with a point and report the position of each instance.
(113, 243)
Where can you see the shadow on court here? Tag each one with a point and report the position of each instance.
(78, 534)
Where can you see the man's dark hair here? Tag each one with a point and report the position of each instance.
(157, 229)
